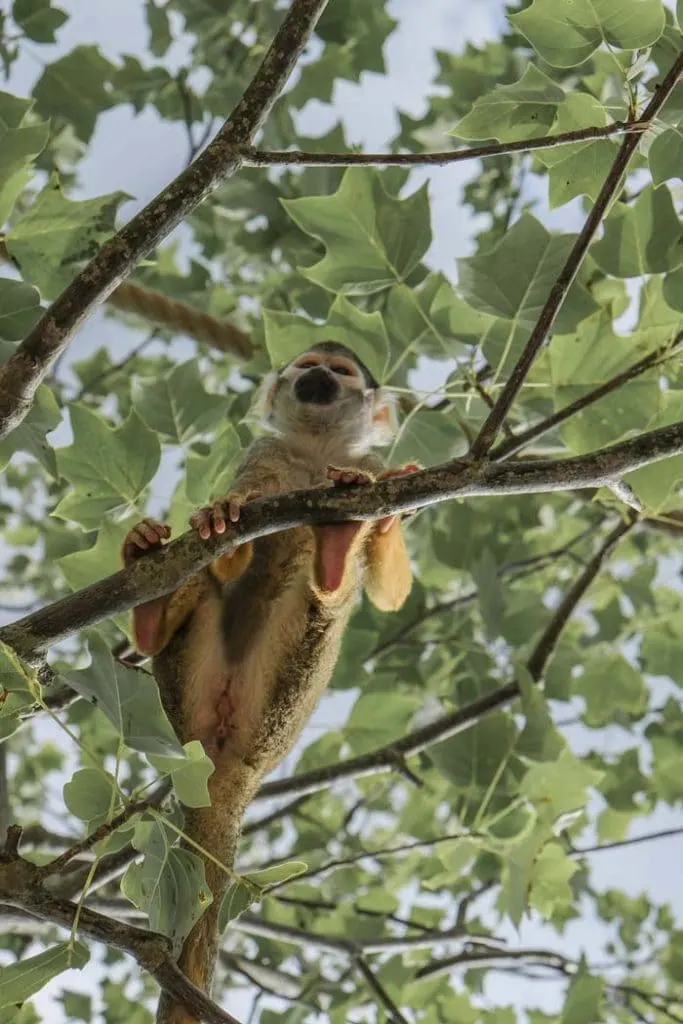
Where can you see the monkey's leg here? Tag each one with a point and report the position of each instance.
(336, 542)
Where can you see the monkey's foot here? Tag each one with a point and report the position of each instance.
(213, 518)
(384, 525)
(340, 476)
(148, 535)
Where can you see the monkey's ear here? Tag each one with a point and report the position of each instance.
(384, 418)
(262, 407)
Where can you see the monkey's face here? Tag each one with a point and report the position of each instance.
(327, 392)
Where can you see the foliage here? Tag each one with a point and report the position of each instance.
(492, 831)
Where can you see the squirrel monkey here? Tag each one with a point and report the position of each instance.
(243, 650)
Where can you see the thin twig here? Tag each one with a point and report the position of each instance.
(516, 442)
(378, 988)
(266, 158)
(664, 833)
(558, 292)
(54, 867)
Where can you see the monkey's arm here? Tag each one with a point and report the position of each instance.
(156, 621)
(389, 575)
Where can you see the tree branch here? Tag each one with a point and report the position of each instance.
(20, 887)
(384, 759)
(514, 443)
(378, 988)
(267, 158)
(163, 572)
(54, 867)
(558, 292)
(28, 365)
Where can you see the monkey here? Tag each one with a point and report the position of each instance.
(243, 650)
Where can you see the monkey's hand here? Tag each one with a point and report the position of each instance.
(146, 536)
(384, 525)
(214, 518)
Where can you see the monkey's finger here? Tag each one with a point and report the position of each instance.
(218, 517)
(234, 511)
(137, 538)
(201, 522)
(148, 531)
(162, 530)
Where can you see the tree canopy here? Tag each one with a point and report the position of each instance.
(436, 849)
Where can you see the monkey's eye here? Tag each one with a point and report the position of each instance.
(306, 364)
(343, 371)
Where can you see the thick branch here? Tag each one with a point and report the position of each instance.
(163, 572)
(558, 292)
(268, 158)
(385, 758)
(26, 368)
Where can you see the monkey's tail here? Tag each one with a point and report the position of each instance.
(216, 829)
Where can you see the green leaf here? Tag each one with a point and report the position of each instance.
(189, 775)
(610, 686)
(19, 310)
(372, 240)
(107, 467)
(77, 1005)
(665, 156)
(211, 476)
(238, 898)
(374, 720)
(645, 238)
(169, 884)
(178, 406)
(56, 235)
(519, 859)
(673, 289)
(566, 32)
(581, 168)
(539, 739)
(37, 19)
(481, 765)
(584, 1000)
(489, 593)
(128, 697)
(81, 568)
(287, 336)
(277, 873)
(22, 980)
(552, 873)
(91, 795)
(22, 138)
(522, 110)
(511, 281)
(14, 673)
(558, 787)
(75, 88)
(29, 436)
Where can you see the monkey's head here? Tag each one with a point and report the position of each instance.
(329, 390)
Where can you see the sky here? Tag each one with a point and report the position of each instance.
(140, 154)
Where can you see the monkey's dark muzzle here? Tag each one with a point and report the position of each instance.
(317, 386)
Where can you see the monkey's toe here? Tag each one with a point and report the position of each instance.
(340, 476)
